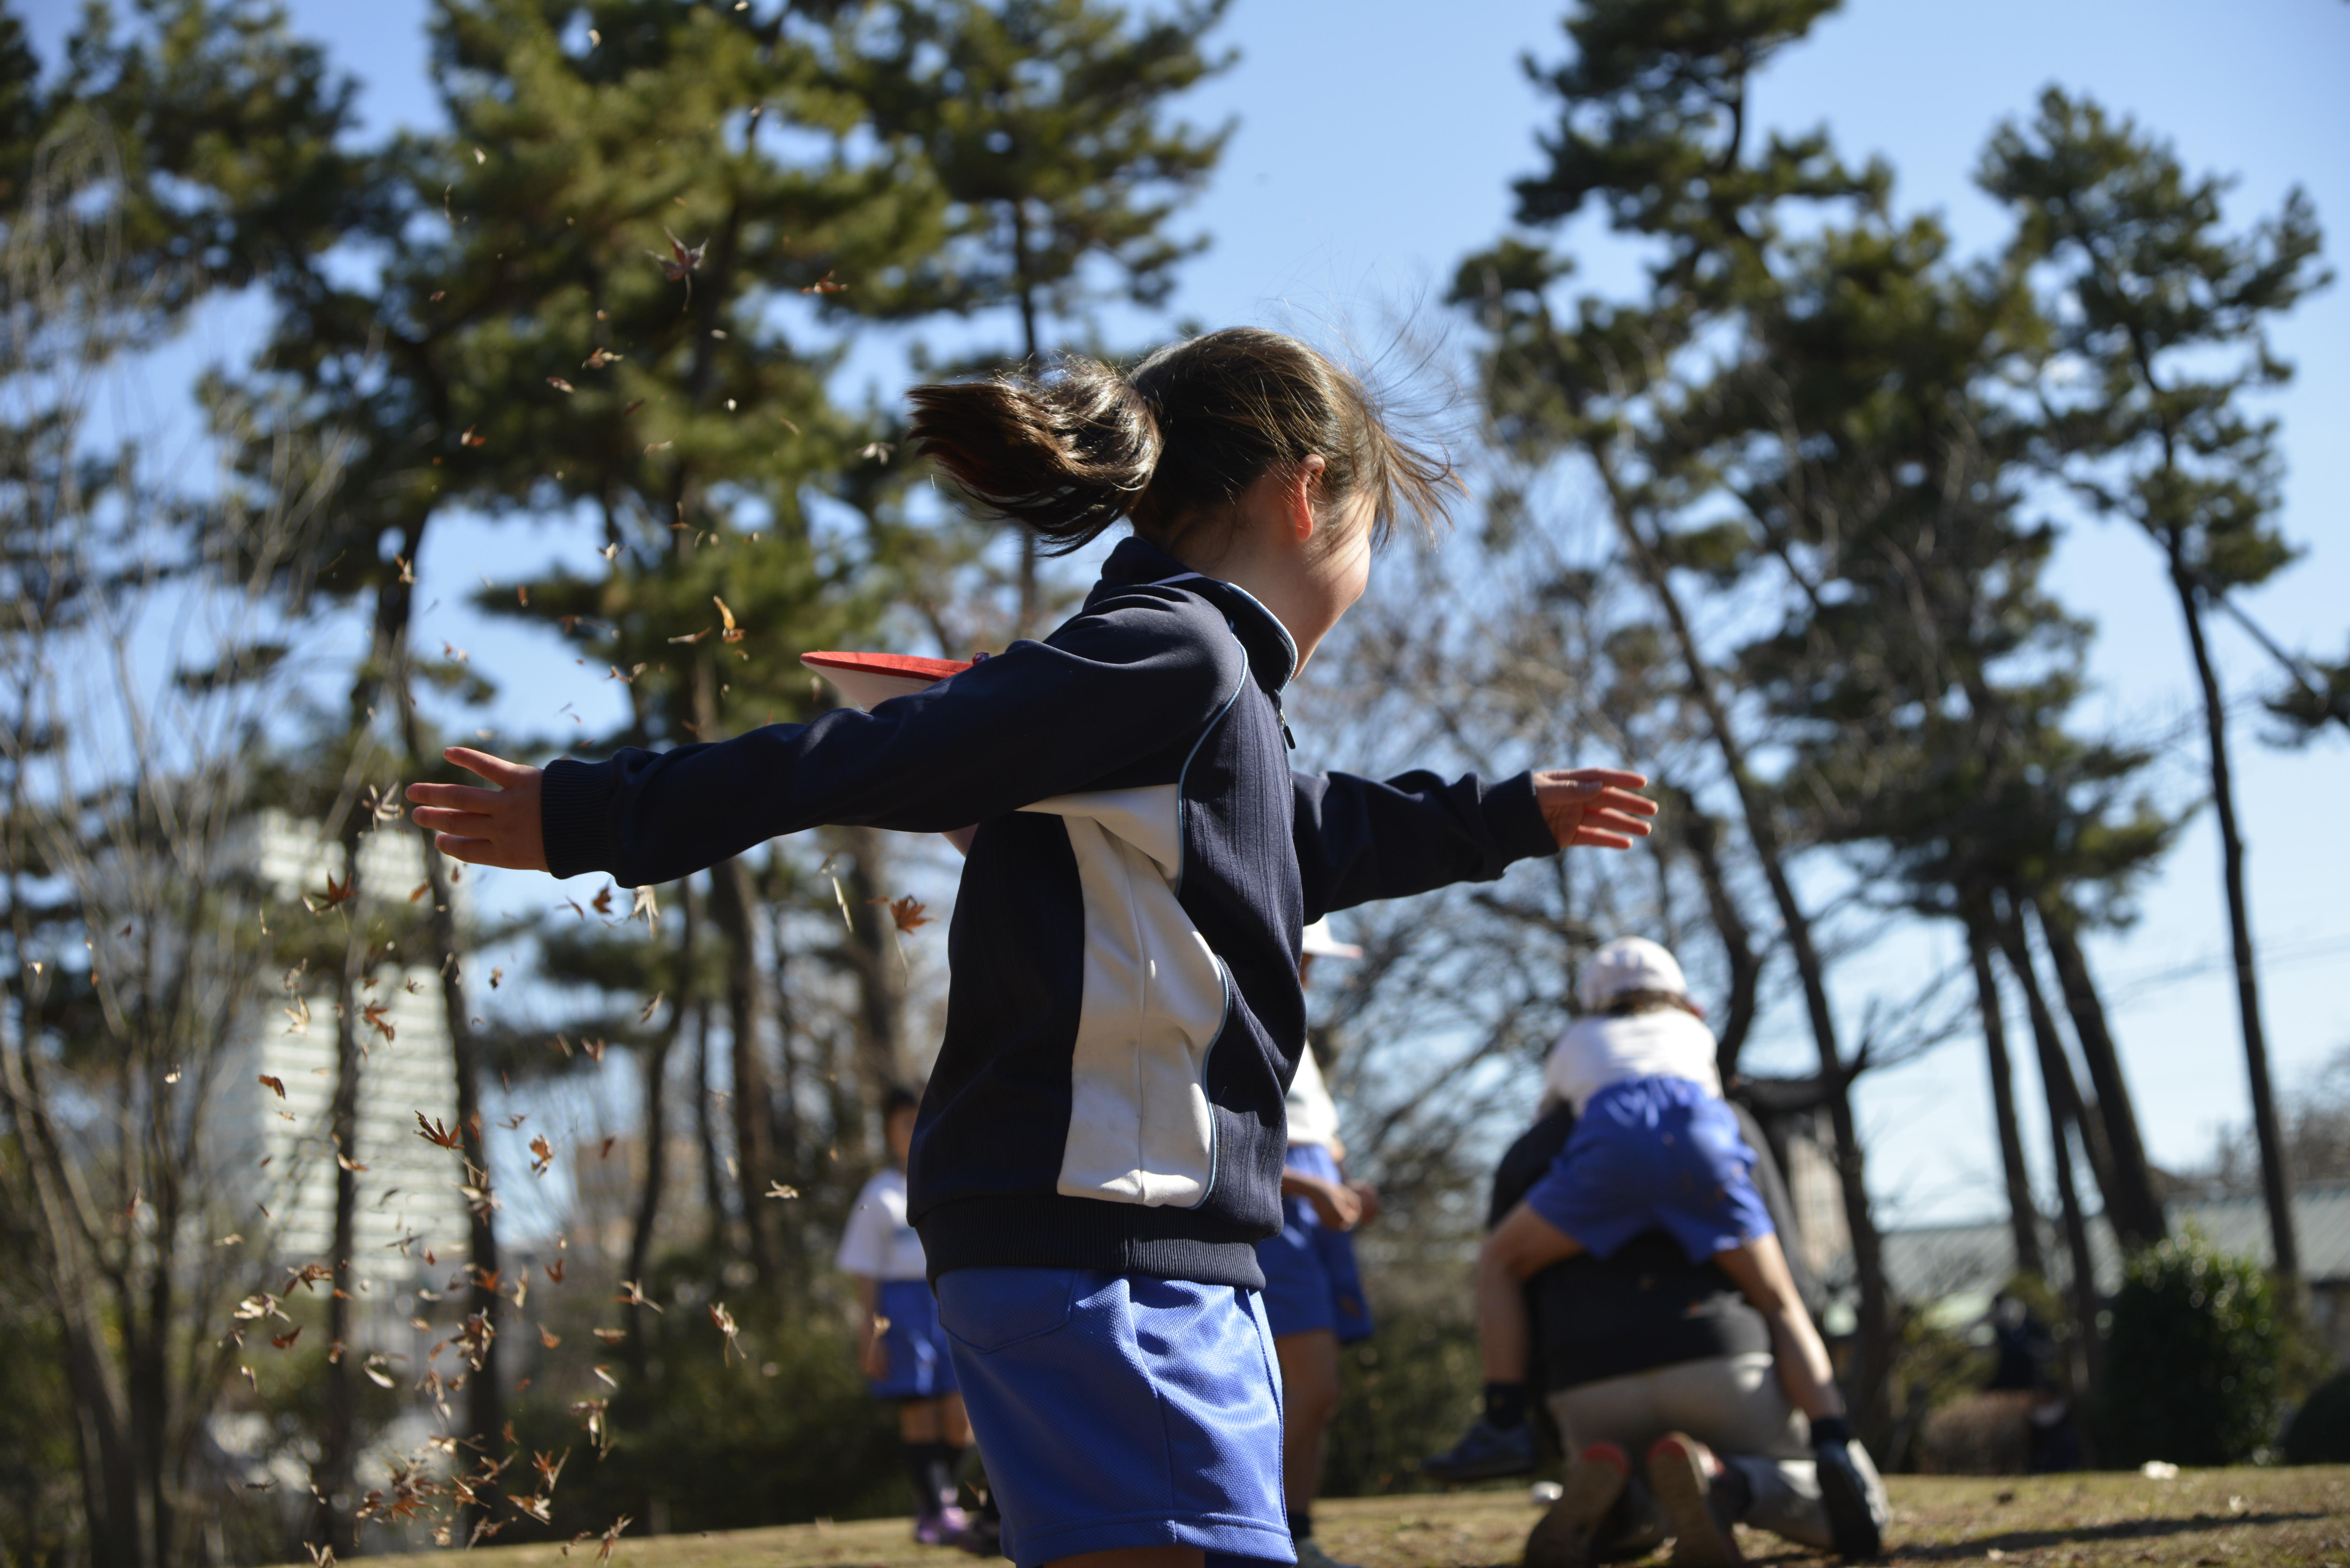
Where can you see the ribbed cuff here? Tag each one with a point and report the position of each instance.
(1519, 826)
(573, 825)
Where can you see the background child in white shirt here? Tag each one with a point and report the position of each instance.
(900, 1347)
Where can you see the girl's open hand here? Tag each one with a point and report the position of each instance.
(1593, 806)
(495, 826)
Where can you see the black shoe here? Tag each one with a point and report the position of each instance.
(1485, 1452)
(1854, 1498)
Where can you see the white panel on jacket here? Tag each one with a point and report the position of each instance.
(1139, 1127)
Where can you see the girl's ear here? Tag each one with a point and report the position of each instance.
(1300, 495)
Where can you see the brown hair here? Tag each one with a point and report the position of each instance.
(1172, 446)
(1633, 1002)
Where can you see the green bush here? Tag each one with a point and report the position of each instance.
(2320, 1433)
(2192, 1357)
(1404, 1393)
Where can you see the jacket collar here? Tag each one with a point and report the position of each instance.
(1272, 653)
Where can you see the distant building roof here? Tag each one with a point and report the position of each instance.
(1936, 1262)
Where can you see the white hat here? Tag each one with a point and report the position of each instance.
(1624, 966)
(1320, 943)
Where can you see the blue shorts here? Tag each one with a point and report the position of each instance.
(1652, 1152)
(1311, 1280)
(920, 1367)
(1121, 1410)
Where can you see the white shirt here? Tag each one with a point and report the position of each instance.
(1602, 1050)
(1313, 1114)
(879, 1244)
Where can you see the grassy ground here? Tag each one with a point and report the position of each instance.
(2241, 1518)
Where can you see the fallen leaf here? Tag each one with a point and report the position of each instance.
(278, 1084)
(779, 1191)
(733, 632)
(599, 358)
(825, 285)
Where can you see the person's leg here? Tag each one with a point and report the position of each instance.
(1760, 1270)
(1521, 1246)
(1500, 1443)
(1309, 1398)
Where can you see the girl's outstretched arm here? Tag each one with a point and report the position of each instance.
(1362, 839)
(494, 826)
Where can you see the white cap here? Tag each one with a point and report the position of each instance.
(1624, 966)
(1320, 943)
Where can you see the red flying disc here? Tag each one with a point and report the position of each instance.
(865, 678)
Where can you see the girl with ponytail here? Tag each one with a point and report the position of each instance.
(1100, 1147)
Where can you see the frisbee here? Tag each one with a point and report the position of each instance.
(865, 678)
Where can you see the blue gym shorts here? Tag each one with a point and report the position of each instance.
(920, 1367)
(1121, 1410)
(1311, 1279)
(1651, 1152)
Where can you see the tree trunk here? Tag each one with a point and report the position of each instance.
(2132, 1203)
(1873, 1330)
(2276, 1185)
(1702, 835)
(874, 956)
(336, 1472)
(705, 1127)
(2023, 1213)
(2063, 1096)
(485, 1391)
(655, 1065)
(110, 1505)
(731, 905)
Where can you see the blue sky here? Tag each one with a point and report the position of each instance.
(1376, 145)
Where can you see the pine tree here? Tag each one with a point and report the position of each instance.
(1652, 125)
(2170, 323)
(1042, 122)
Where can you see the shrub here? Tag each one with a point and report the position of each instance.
(2192, 1357)
(2320, 1433)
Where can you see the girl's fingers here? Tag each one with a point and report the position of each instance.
(1624, 800)
(497, 770)
(1616, 822)
(1594, 839)
(459, 797)
(443, 820)
(1621, 778)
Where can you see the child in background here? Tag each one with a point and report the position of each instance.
(1313, 1289)
(1101, 1144)
(900, 1348)
(1654, 1146)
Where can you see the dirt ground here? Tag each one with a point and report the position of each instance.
(2240, 1518)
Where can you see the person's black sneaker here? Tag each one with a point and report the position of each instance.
(1854, 1497)
(1485, 1452)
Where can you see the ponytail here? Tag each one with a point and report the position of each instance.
(1172, 446)
(1065, 454)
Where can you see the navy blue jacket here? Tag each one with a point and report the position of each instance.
(1124, 1013)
